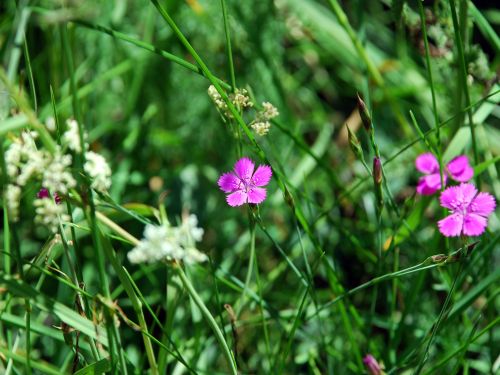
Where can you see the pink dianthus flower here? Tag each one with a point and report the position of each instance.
(458, 169)
(469, 211)
(243, 185)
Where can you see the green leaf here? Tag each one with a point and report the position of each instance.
(457, 144)
(45, 303)
(98, 367)
(481, 167)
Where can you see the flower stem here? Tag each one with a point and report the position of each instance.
(208, 316)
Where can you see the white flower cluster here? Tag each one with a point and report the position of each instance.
(98, 170)
(261, 124)
(57, 176)
(96, 165)
(167, 243)
(25, 162)
(239, 98)
(49, 213)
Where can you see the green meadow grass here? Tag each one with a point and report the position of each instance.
(331, 266)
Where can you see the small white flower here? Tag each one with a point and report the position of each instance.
(98, 170)
(13, 157)
(56, 176)
(190, 230)
(217, 99)
(261, 127)
(241, 99)
(33, 166)
(269, 111)
(71, 136)
(13, 198)
(20, 153)
(49, 213)
(50, 124)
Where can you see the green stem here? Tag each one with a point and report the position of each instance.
(228, 45)
(248, 277)
(463, 69)
(441, 317)
(208, 316)
(344, 22)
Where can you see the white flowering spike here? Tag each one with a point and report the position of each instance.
(98, 170)
(166, 243)
(56, 176)
(49, 213)
(13, 198)
(217, 99)
(71, 137)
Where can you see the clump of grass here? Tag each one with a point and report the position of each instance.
(120, 253)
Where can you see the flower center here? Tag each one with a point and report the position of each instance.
(246, 184)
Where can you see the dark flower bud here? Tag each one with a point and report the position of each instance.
(364, 114)
(377, 180)
(377, 171)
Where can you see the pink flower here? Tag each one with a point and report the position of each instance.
(469, 211)
(458, 169)
(372, 365)
(244, 185)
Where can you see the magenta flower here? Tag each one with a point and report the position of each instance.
(372, 365)
(458, 169)
(44, 193)
(243, 184)
(469, 211)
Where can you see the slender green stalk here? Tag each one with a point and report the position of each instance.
(428, 263)
(209, 318)
(463, 70)
(249, 275)
(441, 316)
(429, 73)
(344, 22)
(30, 75)
(232, 76)
(15, 53)
(259, 288)
(229, 51)
(433, 93)
(147, 47)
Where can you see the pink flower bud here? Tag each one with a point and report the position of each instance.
(372, 365)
